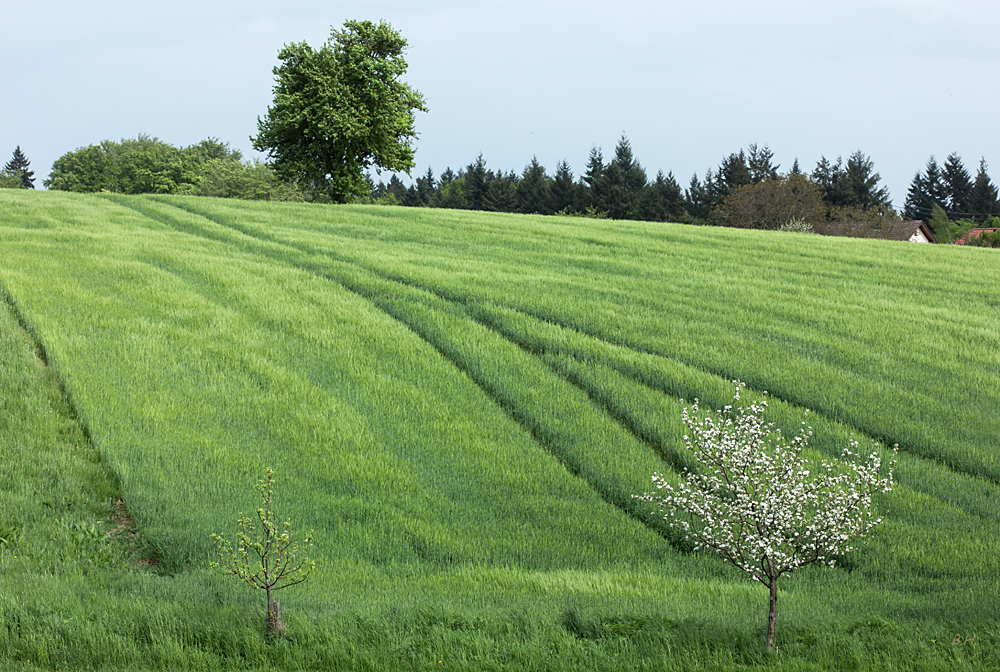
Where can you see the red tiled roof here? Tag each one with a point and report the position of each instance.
(975, 233)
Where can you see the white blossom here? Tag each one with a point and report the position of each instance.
(759, 504)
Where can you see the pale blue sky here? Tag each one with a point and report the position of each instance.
(688, 82)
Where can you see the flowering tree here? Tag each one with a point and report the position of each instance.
(756, 501)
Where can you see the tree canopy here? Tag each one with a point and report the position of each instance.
(756, 501)
(341, 109)
(773, 203)
(147, 165)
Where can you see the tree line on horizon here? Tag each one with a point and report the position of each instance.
(746, 190)
(147, 165)
(620, 189)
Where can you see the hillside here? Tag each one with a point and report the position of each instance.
(461, 405)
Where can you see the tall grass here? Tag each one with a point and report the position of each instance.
(910, 330)
(461, 405)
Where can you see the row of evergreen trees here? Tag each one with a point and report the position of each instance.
(620, 189)
(952, 189)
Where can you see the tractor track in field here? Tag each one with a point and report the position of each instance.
(476, 310)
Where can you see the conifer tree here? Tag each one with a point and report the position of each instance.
(396, 188)
(594, 179)
(501, 193)
(697, 199)
(477, 180)
(733, 173)
(958, 185)
(411, 198)
(661, 200)
(18, 165)
(983, 200)
(624, 179)
(863, 182)
(564, 191)
(759, 164)
(925, 192)
(533, 191)
(828, 177)
(426, 186)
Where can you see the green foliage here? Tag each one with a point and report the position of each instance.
(854, 185)
(984, 201)
(534, 192)
(9, 180)
(772, 204)
(142, 165)
(146, 165)
(226, 178)
(986, 239)
(18, 167)
(875, 215)
(268, 558)
(451, 195)
(944, 228)
(341, 109)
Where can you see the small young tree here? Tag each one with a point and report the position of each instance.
(759, 504)
(268, 559)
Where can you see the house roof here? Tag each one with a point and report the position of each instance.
(974, 233)
(885, 231)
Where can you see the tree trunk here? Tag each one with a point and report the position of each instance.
(274, 627)
(772, 613)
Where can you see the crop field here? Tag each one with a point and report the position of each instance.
(461, 406)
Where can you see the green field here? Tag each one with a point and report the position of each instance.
(461, 406)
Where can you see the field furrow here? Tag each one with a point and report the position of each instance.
(659, 382)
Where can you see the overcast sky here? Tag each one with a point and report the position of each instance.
(687, 82)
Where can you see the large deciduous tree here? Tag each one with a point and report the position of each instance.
(760, 505)
(773, 203)
(341, 109)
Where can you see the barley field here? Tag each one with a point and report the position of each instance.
(461, 405)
